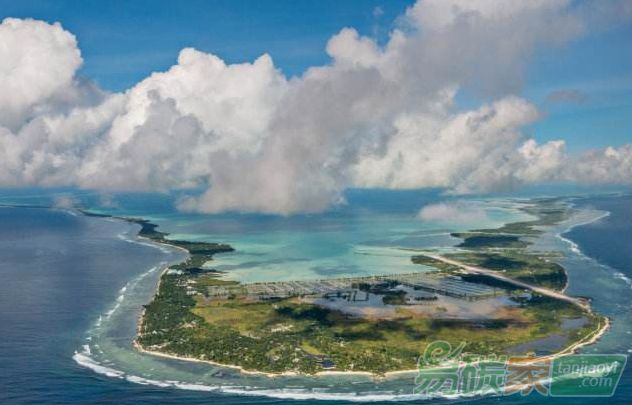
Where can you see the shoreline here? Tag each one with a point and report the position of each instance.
(588, 340)
(572, 245)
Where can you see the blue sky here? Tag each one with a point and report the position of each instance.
(599, 66)
(122, 42)
(467, 96)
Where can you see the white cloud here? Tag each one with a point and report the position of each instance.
(454, 213)
(606, 166)
(37, 61)
(477, 150)
(439, 14)
(377, 116)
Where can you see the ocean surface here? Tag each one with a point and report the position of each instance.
(71, 290)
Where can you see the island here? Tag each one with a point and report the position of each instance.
(490, 291)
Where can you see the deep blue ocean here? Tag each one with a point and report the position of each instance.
(59, 271)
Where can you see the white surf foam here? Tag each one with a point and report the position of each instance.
(118, 302)
(121, 297)
(624, 278)
(572, 245)
(85, 360)
(145, 381)
(132, 239)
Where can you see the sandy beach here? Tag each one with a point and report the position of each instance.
(572, 349)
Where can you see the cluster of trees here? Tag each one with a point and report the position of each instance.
(167, 313)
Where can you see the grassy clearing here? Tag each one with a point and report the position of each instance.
(525, 267)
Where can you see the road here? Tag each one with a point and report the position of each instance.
(582, 303)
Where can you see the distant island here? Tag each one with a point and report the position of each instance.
(492, 292)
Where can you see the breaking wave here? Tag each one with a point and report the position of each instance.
(624, 278)
(574, 247)
(86, 358)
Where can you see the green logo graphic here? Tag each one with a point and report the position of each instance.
(586, 375)
(443, 371)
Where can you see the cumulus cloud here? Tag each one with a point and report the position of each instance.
(477, 150)
(459, 213)
(37, 63)
(257, 141)
(607, 166)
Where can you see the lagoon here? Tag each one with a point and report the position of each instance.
(66, 290)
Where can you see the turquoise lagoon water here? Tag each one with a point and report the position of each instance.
(92, 319)
(367, 237)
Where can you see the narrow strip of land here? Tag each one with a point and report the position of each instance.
(582, 303)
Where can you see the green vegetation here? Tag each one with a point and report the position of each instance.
(503, 249)
(548, 212)
(482, 240)
(394, 298)
(169, 313)
(547, 314)
(510, 236)
(200, 252)
(281, 335)
(287, 335)
(525, 267)
(437, 264)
